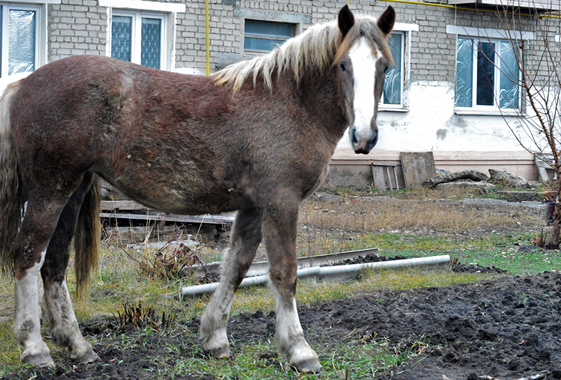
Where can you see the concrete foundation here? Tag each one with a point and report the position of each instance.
(350, 169)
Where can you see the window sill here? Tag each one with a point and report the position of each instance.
(401, 109)
(479, 112)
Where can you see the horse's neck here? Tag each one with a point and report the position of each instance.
(322, 96)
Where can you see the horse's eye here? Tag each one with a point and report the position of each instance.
(343, 67)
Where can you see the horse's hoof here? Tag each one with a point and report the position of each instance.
(38, 360)
(310, 366)
(88, 357)
(221, 353)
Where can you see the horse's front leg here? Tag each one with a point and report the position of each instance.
(244, 241)
(280, 230)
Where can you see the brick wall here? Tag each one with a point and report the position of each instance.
(76, 27)
(79, 27)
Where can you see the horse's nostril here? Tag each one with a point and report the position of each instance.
(355, 136)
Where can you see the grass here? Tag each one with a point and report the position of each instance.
(354, 360)
(412, 229)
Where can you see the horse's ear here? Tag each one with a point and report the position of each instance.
(386, 21)
(346, 20)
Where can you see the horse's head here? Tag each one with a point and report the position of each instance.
(363, 58)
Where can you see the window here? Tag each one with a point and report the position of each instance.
(393, 86)
(396, 86)
(263, 36)
(19, 28)
(138, 38)
(487, 75)
(142, 32)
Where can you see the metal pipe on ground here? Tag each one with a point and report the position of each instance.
(330, 271)
(262, 267)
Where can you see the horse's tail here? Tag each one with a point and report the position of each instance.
(86, 239)
(12, 195)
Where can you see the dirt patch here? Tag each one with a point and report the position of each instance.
(508, 328)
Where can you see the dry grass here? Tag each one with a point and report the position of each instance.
(367, 216)
(346, 224)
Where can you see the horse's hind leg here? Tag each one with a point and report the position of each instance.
(244, 241)
(280, 230)
(30, 249)
(64, 326)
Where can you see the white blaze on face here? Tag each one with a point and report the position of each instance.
(364, 71)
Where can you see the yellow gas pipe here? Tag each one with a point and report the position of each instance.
(207, 40)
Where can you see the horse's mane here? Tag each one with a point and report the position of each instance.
(316, 47)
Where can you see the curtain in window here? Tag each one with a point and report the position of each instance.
(392, 85)
(509, 81)
(464, 73)
(150, 42)
(21, 49)
(121, 38)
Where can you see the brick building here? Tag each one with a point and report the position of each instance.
(433, 100)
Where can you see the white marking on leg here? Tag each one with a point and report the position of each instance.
(290, 336)
(214, 320)
(27, 325)
(364, 72)
(64, 326)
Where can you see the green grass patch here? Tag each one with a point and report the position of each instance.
(259, 360)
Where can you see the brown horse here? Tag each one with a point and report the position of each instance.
(256, 137)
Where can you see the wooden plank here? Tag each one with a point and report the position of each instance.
(417, 167)
(153, 216)
(122, 205)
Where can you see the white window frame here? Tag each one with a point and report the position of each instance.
(137, 33)
(493, 36)
(389, 107)
(497, 68)
(168, 12)
(406, 30)
(40, 30)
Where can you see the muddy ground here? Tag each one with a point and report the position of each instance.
(505, 328)
(508, 328)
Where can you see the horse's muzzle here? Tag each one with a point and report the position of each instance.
(361, 144)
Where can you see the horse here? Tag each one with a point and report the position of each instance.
(255, 138)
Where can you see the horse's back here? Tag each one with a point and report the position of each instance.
(131, 124)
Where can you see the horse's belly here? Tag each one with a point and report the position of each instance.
(180, 193)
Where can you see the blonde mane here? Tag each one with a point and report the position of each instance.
(316, 47)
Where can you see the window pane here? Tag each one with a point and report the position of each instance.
(464, 73)
(510, 74)
(121, 37)
(150, 43)
(21, 49)
(269, 29)
(263, 35)
(392, 85)
(260, 44)
(485, 74)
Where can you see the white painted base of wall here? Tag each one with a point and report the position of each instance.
(350, 169)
